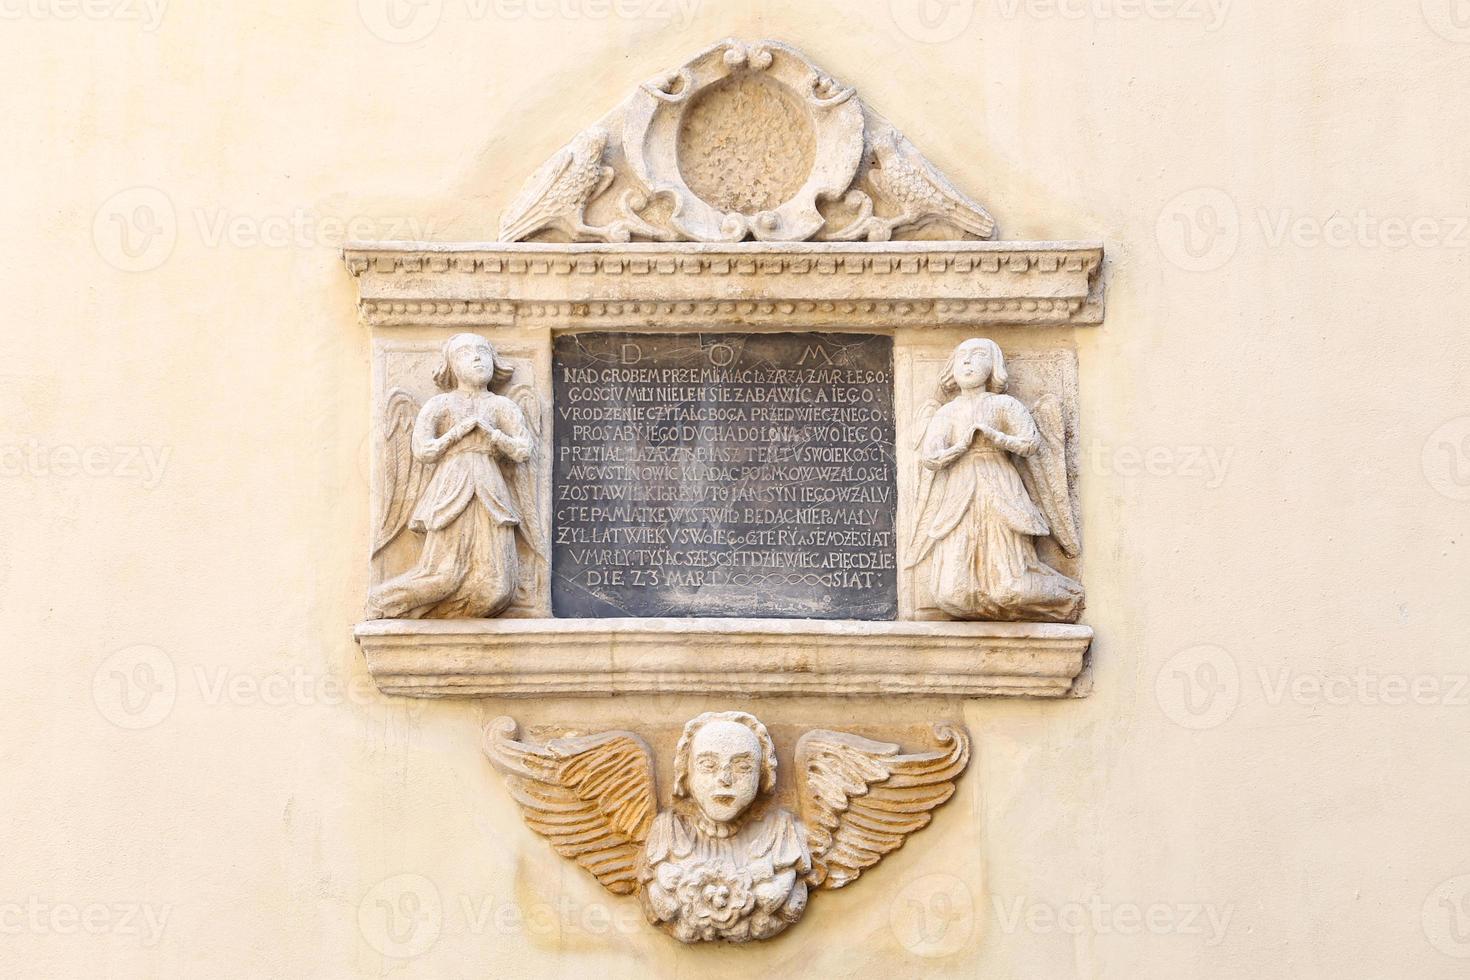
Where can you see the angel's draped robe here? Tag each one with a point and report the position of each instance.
(468, 516)
(980, 523)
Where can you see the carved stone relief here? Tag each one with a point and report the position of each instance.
(1030, 491)
(746, 140)
(992, 478)
(743, 197)
(724, 863)
(460, 475)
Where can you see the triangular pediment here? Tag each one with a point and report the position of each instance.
(746, 140)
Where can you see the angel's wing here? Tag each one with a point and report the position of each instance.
(921, 543)
(1047, 474)
(525, 478)
(535, 204)
(401, 477)
(592, 796)
(860, 799)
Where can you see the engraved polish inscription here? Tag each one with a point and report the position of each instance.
(724, 475)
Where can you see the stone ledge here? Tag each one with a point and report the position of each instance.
(776, 286)
(522, 658)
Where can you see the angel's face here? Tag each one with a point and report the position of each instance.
(972, 365)
(725, 769)
(474, 364)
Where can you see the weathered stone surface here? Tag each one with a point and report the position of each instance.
(724, 475)
(723, 864)
(537, 658)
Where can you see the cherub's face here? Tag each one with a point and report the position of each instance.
(724, 769)
(972, 365)
(474, 364)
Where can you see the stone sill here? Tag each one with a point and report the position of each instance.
(524, 658)
(795, 285)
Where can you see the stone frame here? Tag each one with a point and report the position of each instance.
(520, 294)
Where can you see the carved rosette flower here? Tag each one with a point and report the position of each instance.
(716, 900)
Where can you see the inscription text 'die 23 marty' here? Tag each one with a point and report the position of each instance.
(724, 475)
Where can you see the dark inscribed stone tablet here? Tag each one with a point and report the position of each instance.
(724, 475)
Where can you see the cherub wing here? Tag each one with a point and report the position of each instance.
(860, 799)
(592, 796)
(928, 492)
(535, 204)
(525, 478)
(1046, 473)
(401, 477)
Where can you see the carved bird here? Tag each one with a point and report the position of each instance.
(901, 174)
(556, 195)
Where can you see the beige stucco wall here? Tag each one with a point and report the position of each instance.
(198, 778)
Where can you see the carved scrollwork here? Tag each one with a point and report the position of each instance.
(746, 140)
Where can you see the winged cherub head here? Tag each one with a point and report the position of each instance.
(470, 360)
(724, 759)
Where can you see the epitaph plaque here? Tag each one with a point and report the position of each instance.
(724, 475)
